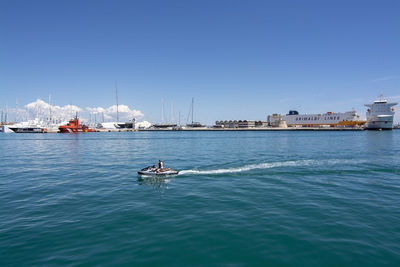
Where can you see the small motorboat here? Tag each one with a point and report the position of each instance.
(153, 170)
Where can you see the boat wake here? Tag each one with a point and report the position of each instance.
(252, 167)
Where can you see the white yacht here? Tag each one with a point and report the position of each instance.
(380, 115)
(31, 126)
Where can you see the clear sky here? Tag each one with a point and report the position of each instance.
(238, 59)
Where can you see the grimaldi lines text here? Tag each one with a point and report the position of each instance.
(350, 118)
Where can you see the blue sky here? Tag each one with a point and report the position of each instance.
(238, 59)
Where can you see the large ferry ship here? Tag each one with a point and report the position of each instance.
(332, 119)
(380, 115)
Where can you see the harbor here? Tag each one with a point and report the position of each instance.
(258, 129)
(199, 133)
(379, 116)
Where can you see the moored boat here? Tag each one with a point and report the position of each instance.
(31, 126)
(380, 115)
(332, 119)
(73, 126)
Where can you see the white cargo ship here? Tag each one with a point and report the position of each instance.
(380, 115)
(332, 119)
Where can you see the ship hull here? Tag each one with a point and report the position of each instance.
(28, 130)
(380, 122)
(345, 119)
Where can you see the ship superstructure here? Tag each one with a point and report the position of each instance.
(380, 115)
(350, 118)
(74, 126)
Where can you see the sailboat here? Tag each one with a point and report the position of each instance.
(194, 124)
(164, 125)
(118, 125)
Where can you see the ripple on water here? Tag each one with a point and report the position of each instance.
(241, 197)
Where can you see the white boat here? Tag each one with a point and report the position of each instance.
(333, 119)
(31, 126)
(152, 170)
(6, 129)
(380, 115)
(117, 125)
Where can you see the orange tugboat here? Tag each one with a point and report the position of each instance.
(73, 126)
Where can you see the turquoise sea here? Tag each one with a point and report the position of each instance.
(242, 198)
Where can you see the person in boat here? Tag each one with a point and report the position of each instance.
(160, 166)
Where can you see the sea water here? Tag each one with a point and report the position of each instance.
(241, 198)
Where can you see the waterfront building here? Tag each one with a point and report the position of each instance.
(232, 124)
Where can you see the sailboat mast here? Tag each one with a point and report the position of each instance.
(5, 116)
(162, 111)
(16, 109)
(49, 107)
(192, 108)
(171, 116)
(116, 96)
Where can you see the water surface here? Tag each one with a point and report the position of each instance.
(242, 198)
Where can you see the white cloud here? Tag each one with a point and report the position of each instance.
(110, 113)
(386, 78)
(45, 110)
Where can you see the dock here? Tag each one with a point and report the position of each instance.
(255, 129)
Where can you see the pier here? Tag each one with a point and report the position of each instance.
(255, 129)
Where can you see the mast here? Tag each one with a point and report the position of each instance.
(5, 116)
(192, 109)
(162, 111)
(171, 116)
(116, 96)
(49, 107)
(16, 109)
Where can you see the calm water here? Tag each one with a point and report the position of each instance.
(242, 198)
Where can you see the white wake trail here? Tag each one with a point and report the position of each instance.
(252, 167)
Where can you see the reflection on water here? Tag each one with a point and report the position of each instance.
(153, 181)
(379, 141)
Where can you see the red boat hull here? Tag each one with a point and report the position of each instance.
(73, 126)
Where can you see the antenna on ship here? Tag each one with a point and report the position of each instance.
(116, 96)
